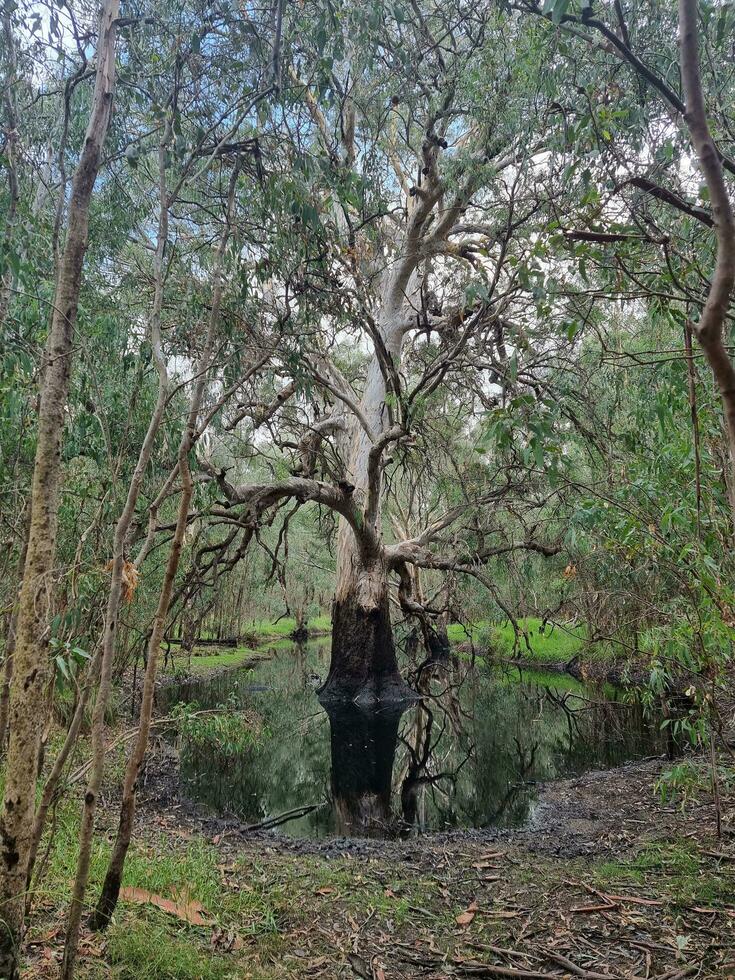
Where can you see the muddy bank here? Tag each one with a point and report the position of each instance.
(605, 883)
(598, 814)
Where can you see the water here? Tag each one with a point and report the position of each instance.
(470, 755)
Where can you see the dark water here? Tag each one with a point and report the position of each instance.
(470, 755)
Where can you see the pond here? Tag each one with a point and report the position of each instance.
(470, 754)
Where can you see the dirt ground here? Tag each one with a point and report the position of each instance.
(606, 882)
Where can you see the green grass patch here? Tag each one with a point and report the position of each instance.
(462, 632)
(547, 643)
(262, 633)
(155, 866)
(552, 644)
(146, 951)
(224, 657)
(678, 871)
(286, 626)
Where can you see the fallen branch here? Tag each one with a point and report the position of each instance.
(299, 811)
(578, 971)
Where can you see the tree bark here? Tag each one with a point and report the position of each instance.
(363, 665)
(710, 328)
(48, 793)
(11, 122)
(10, 644)
(31, 660)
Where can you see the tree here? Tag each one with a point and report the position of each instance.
(28, 692)
(425, 275)
(659, 127)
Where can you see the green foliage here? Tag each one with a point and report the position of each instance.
(67, 661)
(224, 728)
(552, 643)
(686, 782)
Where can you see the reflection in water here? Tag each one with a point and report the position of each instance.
(363, 747)
(469, 755)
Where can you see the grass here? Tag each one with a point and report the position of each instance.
(554, 644)
(460, 633)
(285, 627)
(145, 951)
(257, 904)
(277, 915)
(145, 943)
(261, 631)
(550, 644)
(210, 661)
(679, 870)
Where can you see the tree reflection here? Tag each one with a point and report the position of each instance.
(363, 745)
(470, 753)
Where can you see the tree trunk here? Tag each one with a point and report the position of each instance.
(10, 639)
(114, 597)
(711, 326)
(107, 903)
(50, 787)
(111, 887)
(363, 665)
(11, 155)
(31, 661)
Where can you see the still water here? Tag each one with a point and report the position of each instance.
(471, 754)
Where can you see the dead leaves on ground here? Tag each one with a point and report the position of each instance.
(184, 909)
(466, 917)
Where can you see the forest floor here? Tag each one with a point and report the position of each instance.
(607, 881)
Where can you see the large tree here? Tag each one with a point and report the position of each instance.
(408, 287)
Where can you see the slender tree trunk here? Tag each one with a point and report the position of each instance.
(113, 878)
(48, 793)
(100, 918)
(30, 679)
(122, 528)
(710, 328)
(10, 645)
(11, 122)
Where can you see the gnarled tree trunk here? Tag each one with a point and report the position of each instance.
(363, 665)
